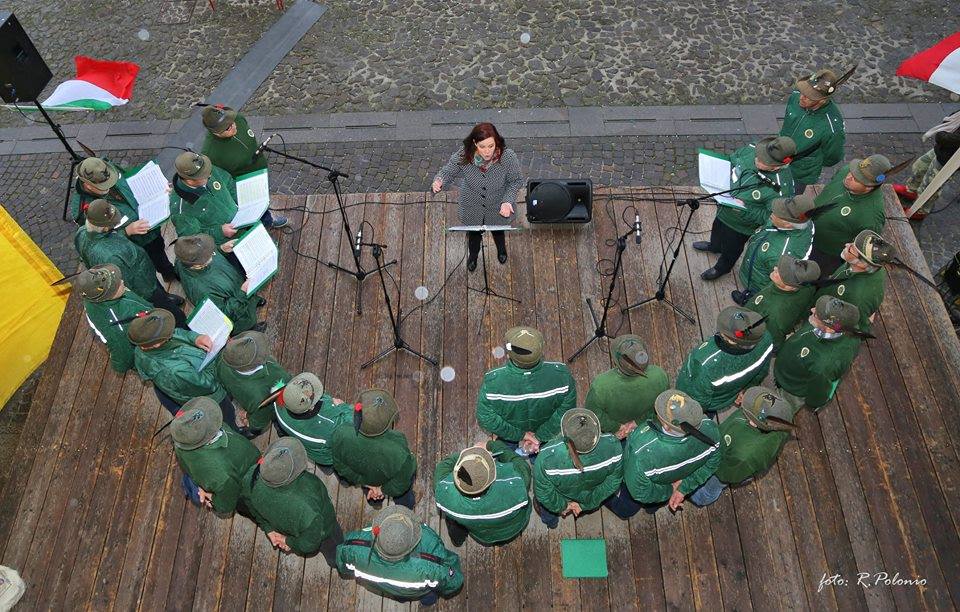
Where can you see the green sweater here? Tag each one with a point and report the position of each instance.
(98, 248)
(840, 215)
(221, 282)
(204, 210)
(235, 154)
(248, 390)
(173, 369)
(121, 196)
(557, 480)
(617, 398)
(300, 510)
(102, 315)
(655, 460)
(315, 430)
(862, 289)
(766, 246)
(514, 400)
(757, 197)
(783, 309)
(811, 367)
(429, 567)
(219, 467)
(747, 451)
(384, 461)
(819, 135)
(500, 513)
(713, 375)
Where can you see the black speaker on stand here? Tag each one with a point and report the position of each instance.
(560, 201)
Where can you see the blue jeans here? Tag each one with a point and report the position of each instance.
(549, 519)
(429, 599)
(267, 219)
(622, 504)
(708, 492)
(798, 188)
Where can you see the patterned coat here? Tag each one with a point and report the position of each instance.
(483, 192)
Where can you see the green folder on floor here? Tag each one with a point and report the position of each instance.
(584, 558)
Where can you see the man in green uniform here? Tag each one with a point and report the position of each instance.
(204, 198)
(400, 557)
(249, 374)
(98, 243)
(851, 202)
(205, 273)
(760, 172)
(578, 470)
(373, 455)
(522, 401)
(785, 300)
(861, 280)
(290, 504)
(622, 397)
(736, 357)
(482, 491)
(309, 414)
(788, 232)
(812, 361)
(753, 436)
(814, 122)
(100, 179)
(211, 455)
(230, 144)
(669, 458)
(109, 307)
(171, 358)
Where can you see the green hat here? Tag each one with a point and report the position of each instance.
(302, 393)
(870, 171)
(154, 327)
(874, 249)
(101, 213)
(193, 165)
(283, 461)
(247, 350)
(630, 354)
(741, 326)
(795, 272)
(582, 427)
(819, 85)
(378, 410)
(99, 283)
(98, 173)
(396, 532)
(776, 150)
(524, 346)
(837, 314)
(196, 423)
(676, 407)
(195, 250)
(474, 471)
(793, 209)
(218, 118)
(762, 403)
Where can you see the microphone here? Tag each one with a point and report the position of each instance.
(359, 238)
(636, 228)
(263, 145)
(766, 181)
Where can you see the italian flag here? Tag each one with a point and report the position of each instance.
(940, 64)
(99, 85)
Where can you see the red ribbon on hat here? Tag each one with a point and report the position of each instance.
(218, 106)
(376, 531)
(85, 206)
(179, 414)
(142, 314)
(739, 334)
(357, 407)
(787, 159)
(260, 460)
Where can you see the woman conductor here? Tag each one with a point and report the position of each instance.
(491, 181)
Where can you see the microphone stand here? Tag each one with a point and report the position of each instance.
(661, 295)
(333, 176)
(399, 344)
(75, 158)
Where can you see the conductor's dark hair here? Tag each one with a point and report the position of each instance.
(480, 132)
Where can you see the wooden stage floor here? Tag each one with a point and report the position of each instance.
(93, 516)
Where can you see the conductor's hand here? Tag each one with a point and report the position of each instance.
(437, 185)
(506, 209)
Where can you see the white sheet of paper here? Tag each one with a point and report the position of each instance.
(715, 175)
(210, 320)
(258, 255)
(149, 188)
(253, 198)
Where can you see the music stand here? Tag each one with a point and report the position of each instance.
(485, 290)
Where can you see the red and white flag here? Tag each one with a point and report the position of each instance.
(940, 64)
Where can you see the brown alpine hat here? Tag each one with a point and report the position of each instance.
(793, 209)
(195, 250)
(99, 283)
(155, 326)
(218, 118)
(776, 150)
(193, 166)
(98, 172)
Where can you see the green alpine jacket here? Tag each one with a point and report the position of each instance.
(811, 367)
(748, 451)
(764, 249)
(655, 460)
(219, 467)
(235, 154)
(514, 400)
(98, 248)
(819, 135)
(248, 390)
(783, 309)
(557, 481)
(203, 210)
(758, 197)
(617, 398)
(384, 461)
(121, 196)
(315, 430)
(864, 290)
(714, 376)
(102, 315)
(221, 282)
(840, 215)
(173, 369)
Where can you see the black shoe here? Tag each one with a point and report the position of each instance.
(249, 433)
(169, 275)
(741, 297)
(703, 245)
(261, 302)
(259, 327)
(279, 221)
(502, 257)
(711, 274)
(176, 300)
(471, 263)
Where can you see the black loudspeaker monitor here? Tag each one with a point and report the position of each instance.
(23, 73)
(560, 201)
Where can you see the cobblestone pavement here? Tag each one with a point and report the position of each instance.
(421, 54)
(31, 186)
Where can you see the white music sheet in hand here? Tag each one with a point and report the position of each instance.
(715, 172)
(258, 255)
(149, 188)
(207, 319)
(253, 198)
